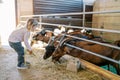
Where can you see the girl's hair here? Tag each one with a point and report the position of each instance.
(31, 23)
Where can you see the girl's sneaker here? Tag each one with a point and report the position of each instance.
(23, 66)
(28, 64)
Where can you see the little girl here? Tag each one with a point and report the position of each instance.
(22, 35)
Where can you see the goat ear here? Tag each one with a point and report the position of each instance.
(117, 43)
(66, 49)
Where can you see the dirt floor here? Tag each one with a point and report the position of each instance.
(40, 69)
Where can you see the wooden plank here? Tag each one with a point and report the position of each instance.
(102, 72)
(107, 20)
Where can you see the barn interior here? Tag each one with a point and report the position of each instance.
(99, 16)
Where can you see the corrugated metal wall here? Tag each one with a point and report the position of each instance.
(57, 6)
(62, 6)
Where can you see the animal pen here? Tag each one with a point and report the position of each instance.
(101, 25)
(87, 65)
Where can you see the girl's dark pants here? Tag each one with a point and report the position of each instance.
(20, 51)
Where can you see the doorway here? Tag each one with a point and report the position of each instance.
(7, 19)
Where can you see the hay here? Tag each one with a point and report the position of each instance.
(40, 69)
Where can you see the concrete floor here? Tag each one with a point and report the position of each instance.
(8, 70)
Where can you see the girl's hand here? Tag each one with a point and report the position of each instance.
(30, 51)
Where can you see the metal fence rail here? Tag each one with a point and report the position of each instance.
(89, 52)
(82, 27)
(75, 13)
(79, 27)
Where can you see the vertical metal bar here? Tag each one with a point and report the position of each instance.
(60, 42)
(40, 18)
(83, 23)
(51, 40)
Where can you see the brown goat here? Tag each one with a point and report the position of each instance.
(41, 36)
(54, 43)
(45, 36)
(96, 48)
